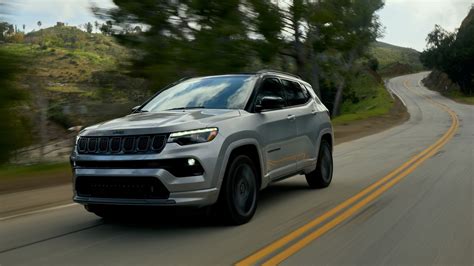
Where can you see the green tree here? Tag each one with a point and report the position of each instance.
(325, 38)
(137, 29)
(97, 26)
(11, 135)
(453, 53)
(106, 28)
(89, 27)
(4, 28)
(184, 38)
(439, 49)
(11, 29)
(196, 37)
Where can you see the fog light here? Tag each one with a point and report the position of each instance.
(191, 162)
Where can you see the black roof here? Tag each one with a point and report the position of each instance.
(265, 71)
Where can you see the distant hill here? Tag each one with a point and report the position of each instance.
(395, 60)
(77, 73)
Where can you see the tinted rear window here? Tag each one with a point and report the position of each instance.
(295, 94)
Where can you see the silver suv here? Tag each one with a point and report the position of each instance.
(207, 141)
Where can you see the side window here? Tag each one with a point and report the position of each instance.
(269, 87)
(316, 98)
(295, 94)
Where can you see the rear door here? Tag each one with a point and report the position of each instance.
(301, 104)
(277, 129)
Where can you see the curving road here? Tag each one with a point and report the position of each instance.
(403, 196)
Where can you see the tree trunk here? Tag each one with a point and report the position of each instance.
(336, 108)
(284, 63)
(340, 85)
(314, 77)
(298, 46)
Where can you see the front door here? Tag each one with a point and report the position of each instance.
(277, 129)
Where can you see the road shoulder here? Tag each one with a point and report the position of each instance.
(35, 199)
(346, 132)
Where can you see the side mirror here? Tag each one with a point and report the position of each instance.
(134, 109)
(269, 103)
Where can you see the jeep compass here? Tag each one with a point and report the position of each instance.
(210, 141)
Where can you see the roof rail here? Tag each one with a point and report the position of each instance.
(278, 71)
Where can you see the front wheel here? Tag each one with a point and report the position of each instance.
(238, 198)
(321, 177)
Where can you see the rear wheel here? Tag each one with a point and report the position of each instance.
(321, 177)
(238, 198)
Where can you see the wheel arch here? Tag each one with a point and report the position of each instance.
(249, 147)
(328, 138)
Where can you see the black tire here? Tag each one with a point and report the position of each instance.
(239, 192)
(321, 177)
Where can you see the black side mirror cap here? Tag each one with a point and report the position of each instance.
(269, 103)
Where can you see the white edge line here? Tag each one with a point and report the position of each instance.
(392, 92)
(419, 83)
(389, 90)
(37, 211)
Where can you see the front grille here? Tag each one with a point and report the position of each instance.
(121, 145)
(120, 187)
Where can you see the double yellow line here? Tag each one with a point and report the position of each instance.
(288, 245)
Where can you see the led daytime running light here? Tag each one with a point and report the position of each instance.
(190, 132)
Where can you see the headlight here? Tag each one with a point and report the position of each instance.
(193, 136)
(77, 140)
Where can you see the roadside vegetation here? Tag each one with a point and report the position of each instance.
(15, 171)
(13, 126)
(76, 76)
(66, 77)
(324, 42)
(24, 177)
(371, 100)
(395, 61)
(451, 56)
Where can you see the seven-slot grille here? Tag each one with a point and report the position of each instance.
(121, 144)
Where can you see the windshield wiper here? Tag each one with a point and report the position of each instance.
(185, 108)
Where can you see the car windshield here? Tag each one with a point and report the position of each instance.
(220, 92)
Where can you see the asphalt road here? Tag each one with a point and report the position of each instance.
(422, 212)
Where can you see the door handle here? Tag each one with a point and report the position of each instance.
(291, 117)
(314, 112)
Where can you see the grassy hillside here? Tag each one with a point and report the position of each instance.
(368, 99)
(395, 60)
(75, 75)
(77, 79)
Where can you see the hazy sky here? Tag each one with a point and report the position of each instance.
(407, 22)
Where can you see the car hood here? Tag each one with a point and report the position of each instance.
(161, 122)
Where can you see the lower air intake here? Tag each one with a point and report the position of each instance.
(121, 187)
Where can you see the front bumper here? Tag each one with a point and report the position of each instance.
(198, 198)
(196, 190)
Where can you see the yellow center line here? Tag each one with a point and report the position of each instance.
(398, 173)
